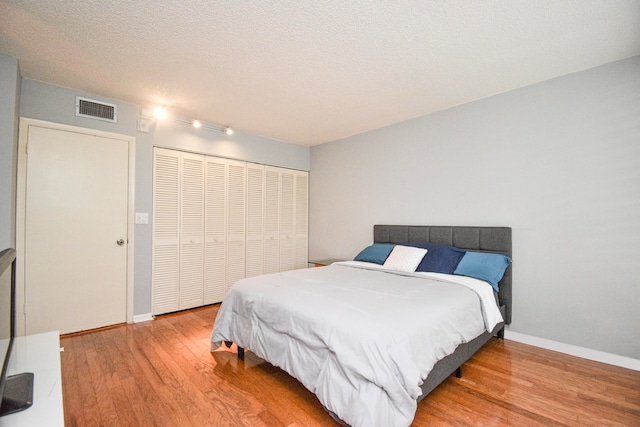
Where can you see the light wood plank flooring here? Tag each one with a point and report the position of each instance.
(161, 373)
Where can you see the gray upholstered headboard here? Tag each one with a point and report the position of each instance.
(481, 239)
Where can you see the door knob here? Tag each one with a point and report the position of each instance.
(120, 242)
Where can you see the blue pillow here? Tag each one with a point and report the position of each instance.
(439, 258)
(376, 253)
(484, 266)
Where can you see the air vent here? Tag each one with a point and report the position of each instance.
(96, 110)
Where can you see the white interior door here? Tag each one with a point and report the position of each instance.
(272, 220)
(215, 271)
(302, 219)
(287, 217)
(236, 221)
(75, 250)
(255, 220)
(165, 273)
(191, 230)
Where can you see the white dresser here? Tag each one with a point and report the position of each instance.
(39, 354)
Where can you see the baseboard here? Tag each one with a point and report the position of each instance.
(142, 317)
(574, 350)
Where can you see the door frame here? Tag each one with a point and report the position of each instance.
(25, 123)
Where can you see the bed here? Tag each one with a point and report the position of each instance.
(359, 334)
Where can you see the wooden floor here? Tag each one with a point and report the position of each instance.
(161, 373)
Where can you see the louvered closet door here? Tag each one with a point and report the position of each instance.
(287, 216)
(255, 220)
(301, 225)
(217, 221)
(192, 231)
(166, 214)
(236, 226)
(215, 230)
(272, 220)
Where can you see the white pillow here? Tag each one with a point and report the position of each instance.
(405, 258)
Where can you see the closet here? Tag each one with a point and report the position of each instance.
(216, 221)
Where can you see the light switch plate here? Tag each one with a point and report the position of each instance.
(142, 218)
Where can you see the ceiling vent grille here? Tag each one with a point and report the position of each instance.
(96, 110)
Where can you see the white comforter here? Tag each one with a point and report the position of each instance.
(360, 337)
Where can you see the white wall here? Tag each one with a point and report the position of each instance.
(56, 104)
(558, 161)
(9, 107)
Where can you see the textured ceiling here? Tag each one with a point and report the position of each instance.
(308, 72)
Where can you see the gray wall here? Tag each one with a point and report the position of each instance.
(558, 161)
(9, 107)
(55, 104)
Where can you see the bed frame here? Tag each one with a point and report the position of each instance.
(479, 239)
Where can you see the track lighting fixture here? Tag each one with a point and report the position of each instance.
(203, 125)
(161, 113)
